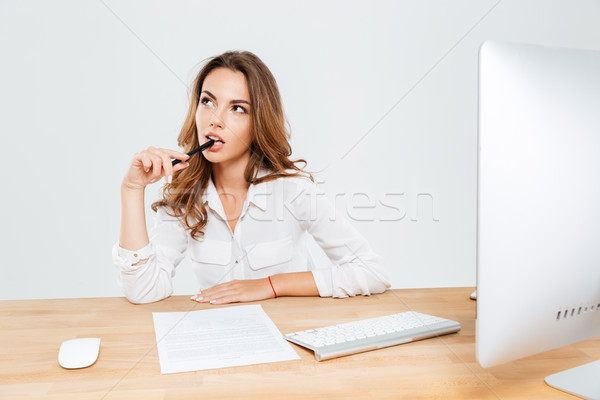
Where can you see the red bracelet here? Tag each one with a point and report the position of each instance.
(272, 287)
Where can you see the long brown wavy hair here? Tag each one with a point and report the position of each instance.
(269, 149)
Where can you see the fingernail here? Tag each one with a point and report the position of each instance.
(194, 297)
(213, 301)
(169, 179)
(199, 298)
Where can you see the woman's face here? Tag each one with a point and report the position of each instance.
(224, 113)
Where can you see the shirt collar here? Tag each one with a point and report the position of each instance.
(211, 196)
(257, 194)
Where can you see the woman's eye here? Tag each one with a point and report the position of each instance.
(239, 109)
(206, 101)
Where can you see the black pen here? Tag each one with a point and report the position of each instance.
(196, 150)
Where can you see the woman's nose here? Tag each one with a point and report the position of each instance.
(216, 120)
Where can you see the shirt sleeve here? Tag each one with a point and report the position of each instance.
(355, 268)
(153, 280)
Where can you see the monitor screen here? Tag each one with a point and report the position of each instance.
(538, 217)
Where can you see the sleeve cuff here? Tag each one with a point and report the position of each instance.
(124, 259)
(322, 279)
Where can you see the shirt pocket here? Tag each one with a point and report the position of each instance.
(270, 254)
(215, 252)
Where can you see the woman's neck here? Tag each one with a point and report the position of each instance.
(229, 177)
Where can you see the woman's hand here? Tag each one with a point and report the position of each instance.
(150, 165)
(236, 291)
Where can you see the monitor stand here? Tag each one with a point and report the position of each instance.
(580, 381)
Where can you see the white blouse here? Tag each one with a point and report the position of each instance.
(269, 239)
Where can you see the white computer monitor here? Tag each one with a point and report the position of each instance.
(538, 214)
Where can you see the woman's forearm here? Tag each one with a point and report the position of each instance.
(134, 234)
(295, 284)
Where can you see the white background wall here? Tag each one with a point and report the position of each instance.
(85, 84)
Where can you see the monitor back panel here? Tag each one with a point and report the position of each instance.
(538, 222)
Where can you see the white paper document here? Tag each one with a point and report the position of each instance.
(219, 338)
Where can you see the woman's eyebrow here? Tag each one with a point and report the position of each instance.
(231, 102)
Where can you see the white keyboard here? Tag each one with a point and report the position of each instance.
(370, 334)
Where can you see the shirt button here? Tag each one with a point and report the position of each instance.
(236, 261)
(135, 254)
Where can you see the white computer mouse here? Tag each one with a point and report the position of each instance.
(78, 353)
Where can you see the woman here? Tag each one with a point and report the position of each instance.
(242, 208)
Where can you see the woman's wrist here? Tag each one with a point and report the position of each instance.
(129, 188)
(272, 287)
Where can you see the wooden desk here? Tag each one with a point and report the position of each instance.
(128, 367)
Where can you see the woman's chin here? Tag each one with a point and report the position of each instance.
(218, 157)
(213, 157)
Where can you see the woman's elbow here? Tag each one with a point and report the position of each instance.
(144, 294)
(141, 299)
(380, 286)
(378, 278)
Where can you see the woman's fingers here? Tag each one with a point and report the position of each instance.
(225, 300)
(156, 167)
(146, 161)
(165, 156)
(176, 154)
(167, 168)
(149, 165)
(214, 291)
(210, 294)
(180, 166)
(235, 291)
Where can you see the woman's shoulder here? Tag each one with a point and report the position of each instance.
(293, 180)
(287, 176)
(165, 212)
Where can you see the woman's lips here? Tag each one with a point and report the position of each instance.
(217, 145)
